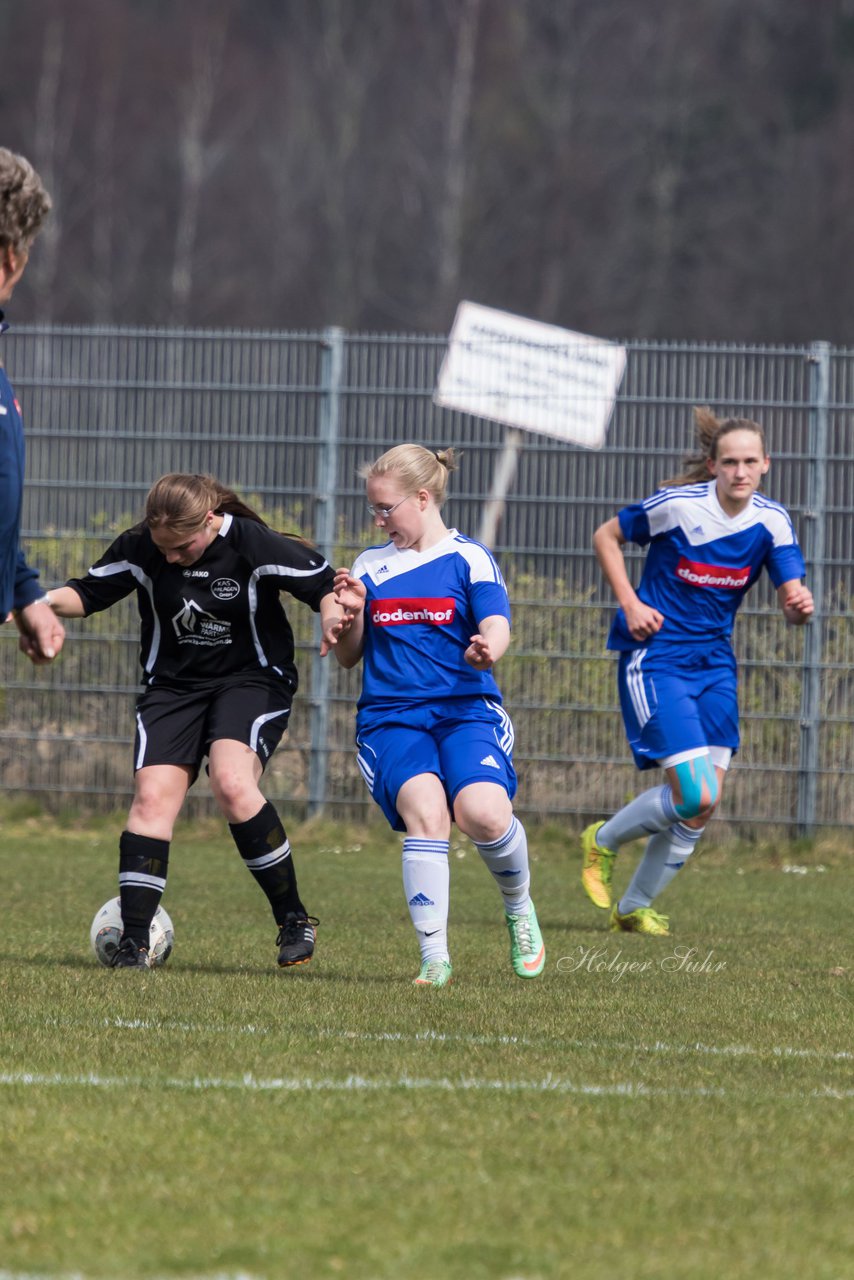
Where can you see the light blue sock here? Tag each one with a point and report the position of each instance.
(426, 882)
(507, 859)
(666, 853)
(649, 812)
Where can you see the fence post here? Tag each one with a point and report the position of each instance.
(329, 405)
(814, 555)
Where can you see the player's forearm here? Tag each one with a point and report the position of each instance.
(608, 546)
(65, 602)
(330, 611)
(350, 645)
(496, 632)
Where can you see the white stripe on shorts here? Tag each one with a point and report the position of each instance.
(634, 686)
(507, 736)
(143, 741)
(258, 725)
(366, 771)
(670, 762)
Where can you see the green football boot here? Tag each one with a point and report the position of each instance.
(527, 950)
(434, 973)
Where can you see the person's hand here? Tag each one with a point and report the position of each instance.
(350, 592)
(42, 634)
(642, 620)
(798, 605)
(479, 653)
(332, 629)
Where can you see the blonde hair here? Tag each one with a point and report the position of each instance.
(180, 502)
(24, 203)
(416, 468)
(709, 432)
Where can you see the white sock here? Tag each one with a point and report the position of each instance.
(426, 883)
(507, 859)
(649, 812)
(666, 853)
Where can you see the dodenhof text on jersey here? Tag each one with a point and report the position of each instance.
(395, 613)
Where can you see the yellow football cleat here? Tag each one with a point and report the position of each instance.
(597, 868)
(641, 920)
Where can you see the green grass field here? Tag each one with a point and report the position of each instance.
(648, 1108)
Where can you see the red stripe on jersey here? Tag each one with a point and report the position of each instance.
(712, 575)
(437, 612)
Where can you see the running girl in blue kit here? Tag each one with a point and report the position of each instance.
(710, 533)
(428, 613)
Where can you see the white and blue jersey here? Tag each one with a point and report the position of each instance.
(423, 709)
(422, 609)
(678, 689)
(702, 562)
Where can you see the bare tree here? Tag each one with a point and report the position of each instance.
(451, 207)
(50, 148)
(198, 153)
(648, 168)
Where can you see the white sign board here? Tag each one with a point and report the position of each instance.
(530, 375)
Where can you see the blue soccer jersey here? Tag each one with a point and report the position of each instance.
(701, 562)
(422, 609)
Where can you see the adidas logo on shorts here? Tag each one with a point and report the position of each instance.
(491, 761)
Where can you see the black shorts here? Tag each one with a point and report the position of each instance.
(178, 725)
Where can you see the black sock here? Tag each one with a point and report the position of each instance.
(263, 846)
(143, 863)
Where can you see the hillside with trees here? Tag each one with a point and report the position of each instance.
(642, 168)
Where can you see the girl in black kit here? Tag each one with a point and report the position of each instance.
(217, 656)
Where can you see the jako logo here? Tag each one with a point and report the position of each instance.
(398, 613)
(712, 575)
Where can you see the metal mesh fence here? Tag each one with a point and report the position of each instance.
(287, 418)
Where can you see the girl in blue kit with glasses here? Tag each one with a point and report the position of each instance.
(427, 612)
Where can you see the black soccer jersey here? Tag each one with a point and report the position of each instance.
(219, 617)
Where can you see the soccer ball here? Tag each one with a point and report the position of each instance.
(106, 934)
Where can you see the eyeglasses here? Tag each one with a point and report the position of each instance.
(385, 512)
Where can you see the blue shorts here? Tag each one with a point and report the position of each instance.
(678, 697)
(463, 740)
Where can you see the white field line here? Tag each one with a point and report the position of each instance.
(78, 1275)
(440, 1037)
(249, 1083)
(162, 1024)
(657, 1046)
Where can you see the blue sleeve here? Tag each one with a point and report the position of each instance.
(27, 585)
(488, 599)
(785, 564)
(634, 524)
